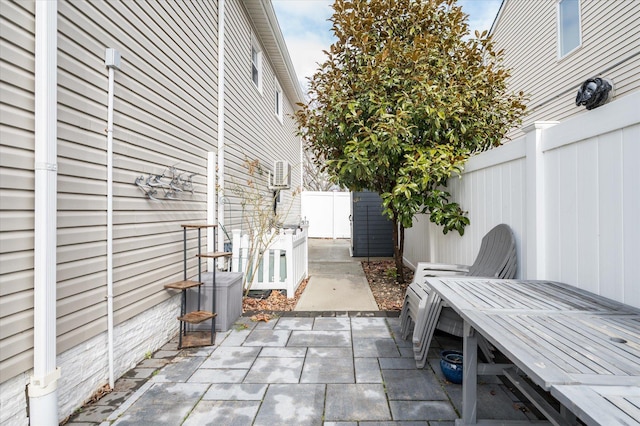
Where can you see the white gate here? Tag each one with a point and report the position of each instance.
(327, 213)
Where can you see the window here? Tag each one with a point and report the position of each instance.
(568, 26)
(256, 66)
(278, 105)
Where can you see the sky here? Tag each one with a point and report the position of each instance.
(307, 31)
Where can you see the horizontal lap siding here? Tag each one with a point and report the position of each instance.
(252, 130)
(17, 43)
(527, 31)
(165, 114)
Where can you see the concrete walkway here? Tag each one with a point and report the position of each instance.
(304, 368)
(337, 281)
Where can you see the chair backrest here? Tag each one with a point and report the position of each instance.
(497, 255)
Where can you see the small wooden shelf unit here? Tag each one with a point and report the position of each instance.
(197, 316)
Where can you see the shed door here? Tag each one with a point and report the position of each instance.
(372, 232)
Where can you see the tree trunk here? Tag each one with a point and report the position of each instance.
(400, 265)
(398, 247)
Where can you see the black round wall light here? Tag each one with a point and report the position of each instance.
(594, 92)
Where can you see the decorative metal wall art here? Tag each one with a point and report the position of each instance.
(172, 184)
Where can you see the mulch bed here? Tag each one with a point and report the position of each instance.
(382, 278)
(386, 289)
(276, 301)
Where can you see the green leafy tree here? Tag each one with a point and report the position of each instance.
(403, 99)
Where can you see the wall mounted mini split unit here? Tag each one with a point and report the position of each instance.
(280, 178)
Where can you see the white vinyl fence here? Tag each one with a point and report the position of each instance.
(327, 213)
(284, 264)
(571, 193)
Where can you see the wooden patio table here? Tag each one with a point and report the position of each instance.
(583, 348)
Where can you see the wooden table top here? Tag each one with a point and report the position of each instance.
(555, 333)
(601, 405)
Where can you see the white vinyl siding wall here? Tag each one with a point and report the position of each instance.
(527, 31)
(252, 130)
(165, 114)
(17, 184)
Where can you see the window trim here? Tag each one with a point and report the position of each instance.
(559, 29)
(257, 65)
(279, 103)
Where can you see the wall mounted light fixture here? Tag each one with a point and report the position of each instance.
(594, 92)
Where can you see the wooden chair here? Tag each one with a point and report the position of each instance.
(422, 315)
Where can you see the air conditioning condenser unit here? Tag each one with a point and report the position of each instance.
(281, 177)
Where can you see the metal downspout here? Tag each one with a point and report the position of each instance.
(112, 62)
(221, 114)
(43, 386)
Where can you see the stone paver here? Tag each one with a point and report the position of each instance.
(236, 338)
(320, 338)
(283, 352)
(334, 324)
(179, 370)
(376, 348)
(163, 404)
(343, 352)
(92, 414)
(413, 385)
(299, 404)
(367, 370)
(370, 328)
(127, 384)
(275, 370)
(340, 423)
(294, 324)
(219, 375)
(329, 370)
(232, 357)
(397, 363)
(359, 402)
(422, 410)
(236, 392)
(263, 338)
(231, 413)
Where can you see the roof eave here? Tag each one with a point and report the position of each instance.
(268, 30)
(497, 18)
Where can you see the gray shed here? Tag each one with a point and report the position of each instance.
(371, 231)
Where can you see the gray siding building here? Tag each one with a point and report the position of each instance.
(552, 47)
(184, 104)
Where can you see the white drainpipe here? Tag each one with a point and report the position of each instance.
(43, 386)
(221, 107)
(112, 61)
(211, 205)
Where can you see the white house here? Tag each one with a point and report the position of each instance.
(567, 182)
(97, 96)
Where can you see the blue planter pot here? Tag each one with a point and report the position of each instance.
(451, 366)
